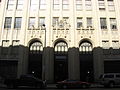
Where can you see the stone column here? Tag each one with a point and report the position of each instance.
(22, 60)
(73, 64)
(98, 62)
(48, 64)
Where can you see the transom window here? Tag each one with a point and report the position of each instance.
(61, 47)
(36, 47)
(85, 46)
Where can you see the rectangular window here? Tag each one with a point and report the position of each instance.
(34, 4)
(89, 22)
(66, 19)
(56, 4)
(65, 4)
(10, 4)
(5, 47)
(113, 23)
(88, 5)
(103, 23)
(79, 22)
(41, 21)
(8, 21)
(18, 21)
(55, 21)
(105, 44)
(42, 4)
(101, 4)
(31, 22)
(115, 44)
(20, 4)
(111, 6)
(79, 5)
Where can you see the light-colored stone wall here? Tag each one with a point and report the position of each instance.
(72, 36)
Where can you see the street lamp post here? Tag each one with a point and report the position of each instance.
(45, 35)
(44, 53)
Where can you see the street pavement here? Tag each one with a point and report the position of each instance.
(53, 87)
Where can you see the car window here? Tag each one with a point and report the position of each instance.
(117, 76)
(109, 76)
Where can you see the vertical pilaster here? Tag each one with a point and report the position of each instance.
(98, 62)
(73, 64)
(48, 64)
(22, 60)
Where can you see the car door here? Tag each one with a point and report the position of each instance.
(117, 79)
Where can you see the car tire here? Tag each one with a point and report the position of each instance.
(10, 86)
(111, 84)
(84, 86)
(64, 86)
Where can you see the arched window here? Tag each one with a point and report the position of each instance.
(61, 46)
(36, 47)
(85, 46)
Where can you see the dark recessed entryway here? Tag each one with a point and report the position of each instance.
(60, 61)
(35, 59)
(86, 61)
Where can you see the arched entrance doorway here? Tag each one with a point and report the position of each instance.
(86, 61)
(35, 58)
(60, 61)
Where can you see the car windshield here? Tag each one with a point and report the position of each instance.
(109, 76)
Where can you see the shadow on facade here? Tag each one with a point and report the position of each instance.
(17, 60)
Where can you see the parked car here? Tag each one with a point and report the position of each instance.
(72, 84)
(25, 81)
(110, 79)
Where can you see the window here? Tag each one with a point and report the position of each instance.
(34, 4)
(113, 23)
(10, 4)
(105, 44)
(79, 5)
(66, 19)
(118, 76)
(89, 22)
(88, 5)
(42, 4)
(101, 4)
(111, 6)
(109, 76)
(31, 22)
(115, 44)
(56, 4)
(55, 21)
(5, 47)
(8, 21)
(18, 21)
(65, 4)
(41, 21)
(20, 4)
(103, 23)
(79, 22)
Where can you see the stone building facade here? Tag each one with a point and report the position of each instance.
(59, 39)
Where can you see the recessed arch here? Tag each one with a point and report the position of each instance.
(60, 60)
(35, 58)
(60, 46)
(85, 46)
(86, 60)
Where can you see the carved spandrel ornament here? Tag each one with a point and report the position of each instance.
(62, 24)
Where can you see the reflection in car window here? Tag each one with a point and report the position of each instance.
(109, 76)
(118, 76)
